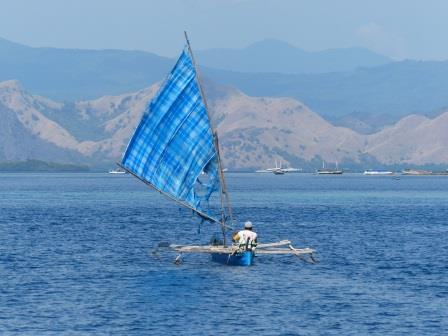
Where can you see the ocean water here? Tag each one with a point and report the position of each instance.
(77, 258)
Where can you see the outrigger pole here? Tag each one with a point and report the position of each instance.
(305, 254)
(222, 185)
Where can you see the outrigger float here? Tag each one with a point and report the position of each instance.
(175, 150)
(231, 255)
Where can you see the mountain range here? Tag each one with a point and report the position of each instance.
(76, 74)
(368, 96)
(365, 99)
(275, 56)
(254, 131)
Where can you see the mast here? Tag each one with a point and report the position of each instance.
(223, 186)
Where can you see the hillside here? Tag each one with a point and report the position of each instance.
(254, 131)
(365, 97)
(374, 96)
(25, 132)
(76, 74)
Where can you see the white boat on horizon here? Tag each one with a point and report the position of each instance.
(416, 172)
(117, 171)
(378, 172)
(279, 170)
(292, 170)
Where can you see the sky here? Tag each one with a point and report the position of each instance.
(401, 29)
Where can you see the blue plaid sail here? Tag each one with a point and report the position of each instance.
(173, 144)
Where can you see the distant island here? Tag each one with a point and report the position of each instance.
(41, 166)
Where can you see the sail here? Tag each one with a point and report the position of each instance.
(173, 146)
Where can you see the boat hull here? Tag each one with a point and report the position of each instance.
(329, 172)
(239, 259)
(378, 173)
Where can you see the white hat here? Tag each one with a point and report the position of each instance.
(248, 225)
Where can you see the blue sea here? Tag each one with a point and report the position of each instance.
(77, 257)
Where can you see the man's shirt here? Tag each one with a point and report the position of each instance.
(246, 235)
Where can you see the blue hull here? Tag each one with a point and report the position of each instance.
(240, 259)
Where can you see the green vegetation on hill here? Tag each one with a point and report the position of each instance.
(40, 166)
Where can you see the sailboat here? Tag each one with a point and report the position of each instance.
(175, 150)
(329, 171)
(278, 170)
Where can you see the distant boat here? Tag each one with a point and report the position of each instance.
(329, 171)
(117, 171)
(292, 170)
(279, 170)
(378, 172)
(416, 172)
(440, 173)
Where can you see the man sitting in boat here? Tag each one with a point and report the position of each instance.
(246, 239)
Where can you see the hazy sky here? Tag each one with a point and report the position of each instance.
(397, 28)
